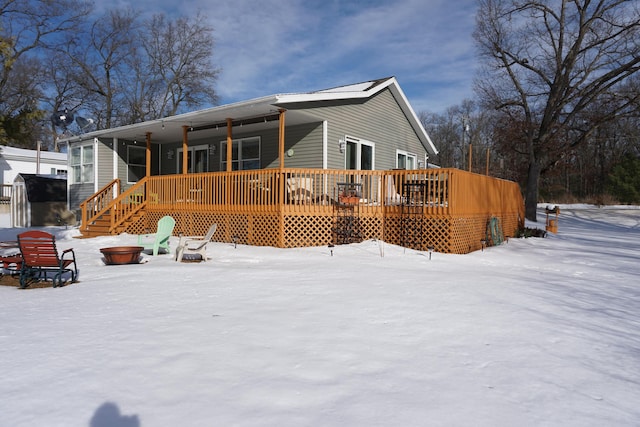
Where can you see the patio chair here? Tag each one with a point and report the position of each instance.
(300, 189)
(159, 240)
(194, 245)
(40, 256)
(392, 197)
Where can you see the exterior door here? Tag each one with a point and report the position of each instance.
(197, 159)
(359, 154)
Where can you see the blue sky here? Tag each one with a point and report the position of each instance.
(266, 47)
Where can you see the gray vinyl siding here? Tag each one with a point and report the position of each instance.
(78, 193)
(104, 158)
(379, 120)
(306, 143)
(305, 140)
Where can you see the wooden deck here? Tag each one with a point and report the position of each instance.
(444, 209)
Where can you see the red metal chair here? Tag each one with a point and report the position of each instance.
(40, 256)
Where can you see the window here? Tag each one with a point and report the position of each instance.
(136, 163)
(360, 154)
(197, 159)
(406, 160)
(245, 154)
(55, 171)
(81, 164)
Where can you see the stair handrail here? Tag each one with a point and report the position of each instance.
(128, 203)
(99, 203)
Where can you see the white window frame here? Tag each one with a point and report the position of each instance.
(82, 171)
(129, 164)
(241, 160)
(190, 163)
(407, 155)
(358, 144)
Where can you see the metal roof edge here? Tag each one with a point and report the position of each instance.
(184, 117)
(336, 93)
(413, 118)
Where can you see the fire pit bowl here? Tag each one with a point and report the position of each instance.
(122, 255)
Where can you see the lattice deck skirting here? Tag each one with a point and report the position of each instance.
(445, 234)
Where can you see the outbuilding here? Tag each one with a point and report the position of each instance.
(39, 200)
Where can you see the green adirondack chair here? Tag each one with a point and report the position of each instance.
(159, 240)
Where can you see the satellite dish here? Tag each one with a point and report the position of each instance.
(62, 119)
(83, 123)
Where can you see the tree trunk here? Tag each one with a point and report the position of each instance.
(531, 191)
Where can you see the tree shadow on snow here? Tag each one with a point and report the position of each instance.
(108, 415)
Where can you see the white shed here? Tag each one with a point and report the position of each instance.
(39, 200)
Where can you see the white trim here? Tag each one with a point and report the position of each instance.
(114, 153)
(407, 154)
(359, 143)
(82, 145)
(95, 165)
(136, 147)
(192, 149)
(325, 144)
(270, 104)
(239, 142)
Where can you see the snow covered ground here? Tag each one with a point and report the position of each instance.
(535, 332)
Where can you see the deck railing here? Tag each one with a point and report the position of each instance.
(5, 193)
(99, 203)
(452, 199)
(295, 190)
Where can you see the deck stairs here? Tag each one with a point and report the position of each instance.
(101, 226)
(110, 211)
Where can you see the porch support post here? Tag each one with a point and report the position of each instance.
(281, 221)
(281, 138)
(185, 150)
(229, 144)
(148, 155)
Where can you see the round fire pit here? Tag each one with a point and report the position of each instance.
(122, 255)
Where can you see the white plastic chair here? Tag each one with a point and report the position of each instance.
(194, 245)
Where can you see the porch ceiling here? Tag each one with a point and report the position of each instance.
(250, 116)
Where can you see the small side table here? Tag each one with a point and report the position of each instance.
(10, 260)
(11, 263)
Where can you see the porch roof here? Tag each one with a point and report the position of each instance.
(259, 113)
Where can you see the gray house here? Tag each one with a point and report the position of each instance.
(363, 126)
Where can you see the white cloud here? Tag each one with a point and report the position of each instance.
(267, 47)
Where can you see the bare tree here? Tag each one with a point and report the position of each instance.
(444, 135)
(28, 27)
(545, 62)
(101, 57)
(177, 71)
(134, 70)
(64, 94)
